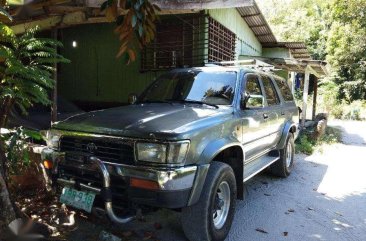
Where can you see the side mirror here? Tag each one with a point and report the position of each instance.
(132, 98)
(254, 101)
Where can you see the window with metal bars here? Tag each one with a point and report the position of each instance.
(180, 41)
(221, 42)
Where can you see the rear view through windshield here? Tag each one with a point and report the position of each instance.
(215, 88)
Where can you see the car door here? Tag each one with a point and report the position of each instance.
(273, 112)
(253, 118)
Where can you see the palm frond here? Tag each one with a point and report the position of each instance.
(27, 67)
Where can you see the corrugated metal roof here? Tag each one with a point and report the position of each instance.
(257, 23)
(261, 29)
(298, 49)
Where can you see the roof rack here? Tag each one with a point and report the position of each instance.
(250, 63)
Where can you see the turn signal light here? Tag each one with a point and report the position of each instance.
(47, 164)
(145, 184)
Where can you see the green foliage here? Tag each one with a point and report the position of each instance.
(26, 77)
(306, 144)
(299, 20)
(17, 148)
(334, 30)
(26, 67)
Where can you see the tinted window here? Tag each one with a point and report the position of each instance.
(253, 87)
(272, 98)
(285, 89)
(210, 87)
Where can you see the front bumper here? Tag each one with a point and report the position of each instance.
(174, 184)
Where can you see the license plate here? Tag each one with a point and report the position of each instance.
(77, 199)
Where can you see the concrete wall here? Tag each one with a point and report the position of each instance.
(247, 43)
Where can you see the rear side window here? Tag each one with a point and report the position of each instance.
(285, 89)
(271, 94)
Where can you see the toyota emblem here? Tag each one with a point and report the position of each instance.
(91, 147)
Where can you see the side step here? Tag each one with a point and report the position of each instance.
(257, 165)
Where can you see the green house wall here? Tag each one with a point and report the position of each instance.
(276, 53)
(247, 43)
(95, 74)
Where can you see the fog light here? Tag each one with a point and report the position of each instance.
(47, 164)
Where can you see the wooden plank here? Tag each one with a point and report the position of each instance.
(315, 96)
(41, 5)
(188, 5)
(64, 9)
(74, 18)
(305, 96)
(45, 23)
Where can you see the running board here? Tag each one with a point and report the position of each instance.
(256, 166)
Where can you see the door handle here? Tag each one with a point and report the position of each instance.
(282, 113)
(265, 116)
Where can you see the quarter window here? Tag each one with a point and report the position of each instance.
(272, 98)
(285, 89)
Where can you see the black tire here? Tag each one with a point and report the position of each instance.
(280, 168)
(197, 220)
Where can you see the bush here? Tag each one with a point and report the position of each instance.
(307, 144)
(17, 143)
(328, 102)
(304, 145)
(355, 110)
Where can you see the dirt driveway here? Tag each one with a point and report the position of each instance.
(323, 199)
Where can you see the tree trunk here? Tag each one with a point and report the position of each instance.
(7, 212)
(6, 105)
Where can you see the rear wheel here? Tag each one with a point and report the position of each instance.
(211, 217)
(283, 167)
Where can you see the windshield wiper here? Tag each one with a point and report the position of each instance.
(195, 102)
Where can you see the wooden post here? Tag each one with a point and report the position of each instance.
(315, 96)
(54, 94)
(305, 96)
(293, 82)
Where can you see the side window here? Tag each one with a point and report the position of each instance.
(253, 88)
(285, 89)
(271, 94)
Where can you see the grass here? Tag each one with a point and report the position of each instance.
(306, 144)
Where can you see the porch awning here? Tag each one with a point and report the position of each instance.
(317, 67)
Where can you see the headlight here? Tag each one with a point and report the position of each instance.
(162, 153)
(151, 152)
(52, 138)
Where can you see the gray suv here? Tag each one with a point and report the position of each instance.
(189, 142)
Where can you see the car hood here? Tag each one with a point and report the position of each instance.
(146, 120)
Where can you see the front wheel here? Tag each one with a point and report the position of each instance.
(283, 167)
(211, 217)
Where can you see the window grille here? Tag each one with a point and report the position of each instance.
(221, 42)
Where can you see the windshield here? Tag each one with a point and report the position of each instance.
(215, 88)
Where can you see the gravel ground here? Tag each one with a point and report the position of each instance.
(323, 199)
